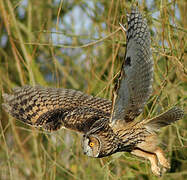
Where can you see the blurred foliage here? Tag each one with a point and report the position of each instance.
(78, 44)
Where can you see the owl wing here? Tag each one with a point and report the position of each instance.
(164, 119)
(134, 84)
(52, 108)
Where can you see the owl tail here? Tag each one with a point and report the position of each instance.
(164, 119)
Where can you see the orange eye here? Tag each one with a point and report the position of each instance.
(91, 144)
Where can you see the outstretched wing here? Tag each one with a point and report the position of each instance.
(164, 119)
(52, 108)
(134, 85)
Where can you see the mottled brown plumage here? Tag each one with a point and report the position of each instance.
(107, 127)
(53, 108)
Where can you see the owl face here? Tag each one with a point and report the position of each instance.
(91, 145)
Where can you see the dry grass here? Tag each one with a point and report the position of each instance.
(86, 55)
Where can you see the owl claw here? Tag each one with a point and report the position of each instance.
(164, 170)
(156, 171)
(166, 165)
(161, 159)
(159, 171)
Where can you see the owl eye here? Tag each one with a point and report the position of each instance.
(91, 144)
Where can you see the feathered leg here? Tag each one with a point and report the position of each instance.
(149, 150)
(161, 158)
(151, 157)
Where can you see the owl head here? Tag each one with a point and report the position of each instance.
(99, 141)
(91, 145)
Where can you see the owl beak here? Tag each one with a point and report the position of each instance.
(87, 152)
(84, 152)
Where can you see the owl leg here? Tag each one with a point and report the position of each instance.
(151, 146)
(161, 158)
(151, 157)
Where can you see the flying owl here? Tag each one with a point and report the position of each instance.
(107, 127)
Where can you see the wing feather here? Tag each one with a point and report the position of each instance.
(135, 82)
(52, 108)
(164, 119)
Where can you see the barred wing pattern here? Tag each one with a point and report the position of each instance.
(134, 85)
(53, 108)
(164, 119)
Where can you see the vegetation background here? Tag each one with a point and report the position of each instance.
(78, 44)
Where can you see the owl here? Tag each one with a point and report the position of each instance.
(107, 126)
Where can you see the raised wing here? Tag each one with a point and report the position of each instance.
(134, 85)
(52, 108)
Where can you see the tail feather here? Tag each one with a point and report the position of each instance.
(165, 119)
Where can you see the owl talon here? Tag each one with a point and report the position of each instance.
(156, 171)
(164, 170)
(166, 165)
(161, 158)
